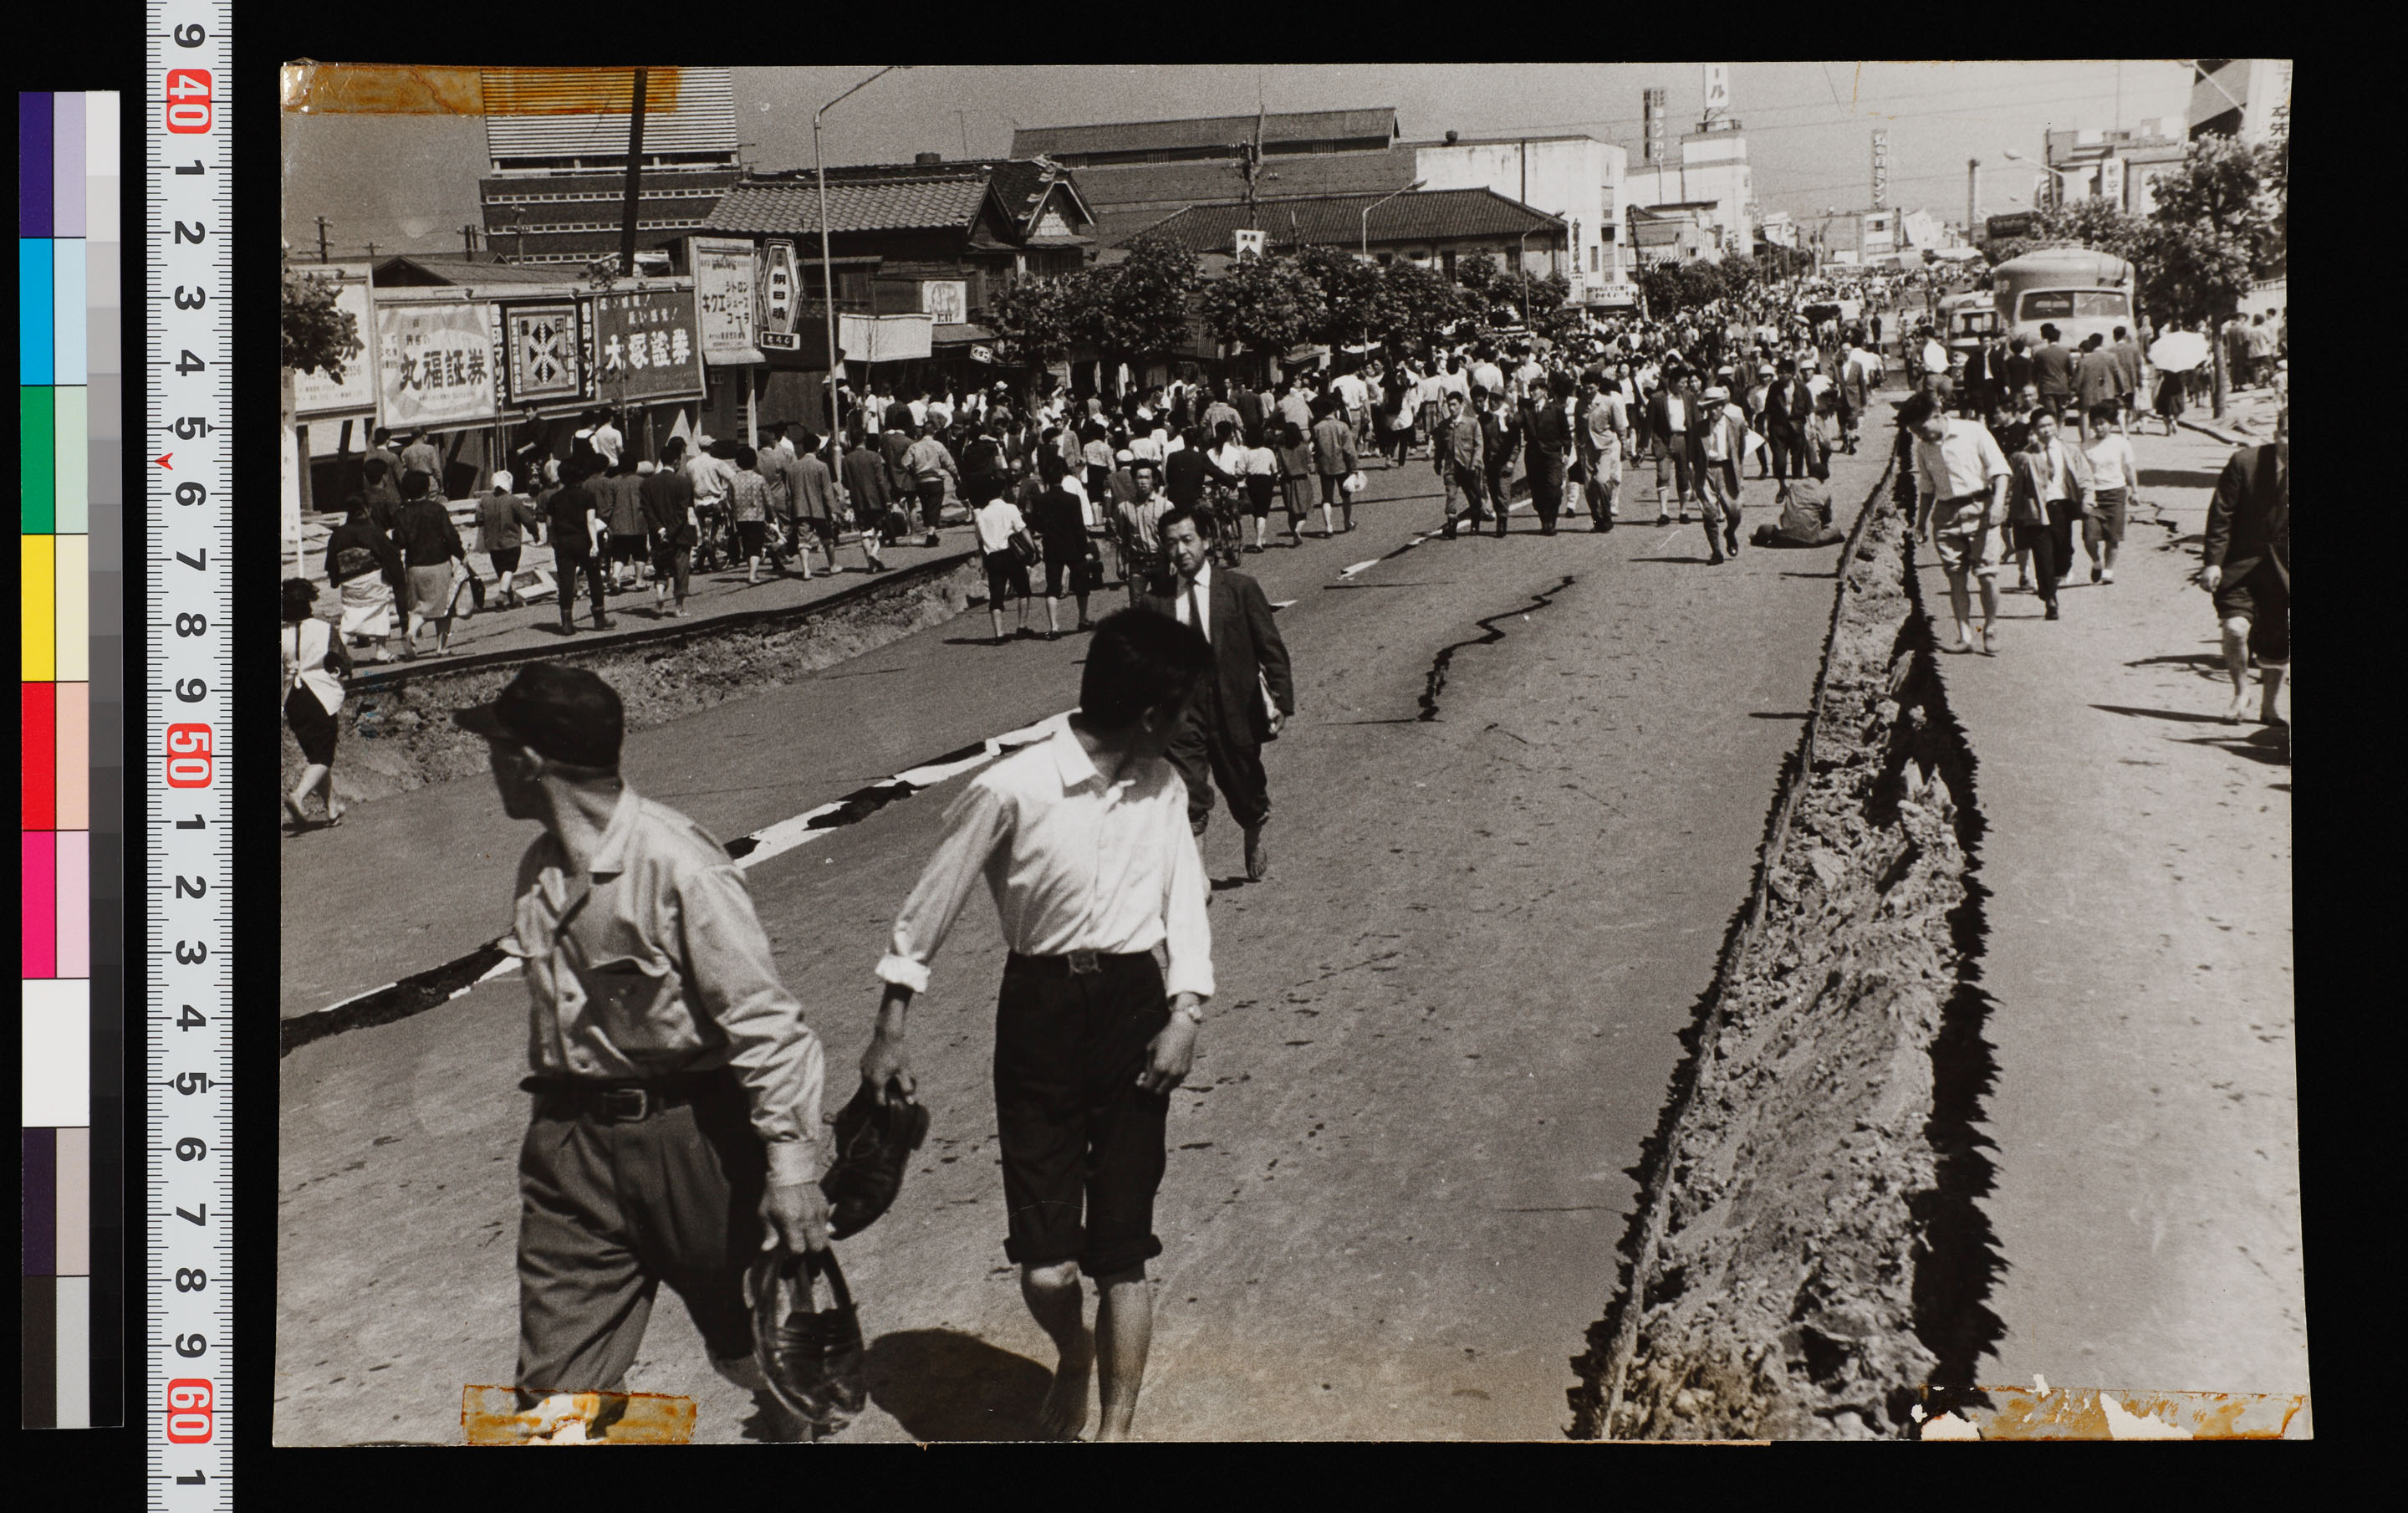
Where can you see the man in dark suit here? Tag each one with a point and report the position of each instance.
(1786, 406)
(1222, 738)
(2246, 564)
(1252, 405)
(2053, 371)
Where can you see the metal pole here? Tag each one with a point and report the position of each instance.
(322, 239)
(827, 270)
(634, 181)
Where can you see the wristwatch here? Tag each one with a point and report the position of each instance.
(1191, 1013)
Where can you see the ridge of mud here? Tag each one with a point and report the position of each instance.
(1808, 1256)
(397, 736)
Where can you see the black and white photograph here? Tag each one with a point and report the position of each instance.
(1286, 752)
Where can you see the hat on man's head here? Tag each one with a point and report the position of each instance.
(565, 714)
(1716, 393)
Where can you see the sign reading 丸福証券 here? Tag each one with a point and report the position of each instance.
(435, 363)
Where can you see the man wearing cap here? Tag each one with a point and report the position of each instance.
(1459, 461)
(676, 1129)
(1719, 437)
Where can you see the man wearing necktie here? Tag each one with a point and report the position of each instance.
(1247, 699)
(2051, 490)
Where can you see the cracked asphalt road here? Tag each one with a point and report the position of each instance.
(1446, 1019)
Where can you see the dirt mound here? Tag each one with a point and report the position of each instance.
(1782, 1263)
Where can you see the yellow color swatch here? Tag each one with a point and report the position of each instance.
(38, 635)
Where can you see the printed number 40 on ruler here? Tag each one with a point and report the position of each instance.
(189, 668)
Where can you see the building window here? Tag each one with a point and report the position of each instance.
(1593, 253)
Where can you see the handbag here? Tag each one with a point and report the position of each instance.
(1024, 548)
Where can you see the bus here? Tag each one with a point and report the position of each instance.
(2075, 289)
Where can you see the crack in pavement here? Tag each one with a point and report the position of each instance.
(1490, 634)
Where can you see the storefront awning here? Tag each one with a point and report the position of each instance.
(958, 335)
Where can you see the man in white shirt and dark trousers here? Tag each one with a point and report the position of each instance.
(1084, 840)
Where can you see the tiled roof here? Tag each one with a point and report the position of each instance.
(1020, 183)
(1115, 227)
(1108, 186)
(791, 206)
(1204, 131)
(1430, 215)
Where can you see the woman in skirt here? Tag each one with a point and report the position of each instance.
(365, 565)
(1294, 456)
(312, 694)
(2171, 387)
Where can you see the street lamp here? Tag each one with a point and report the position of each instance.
(828, 266)
(1365, 240)
(2014, 156)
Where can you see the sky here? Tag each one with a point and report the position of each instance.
(410, 183)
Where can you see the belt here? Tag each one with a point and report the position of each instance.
(1075, 964)
(620, 1102)
(1965, 498)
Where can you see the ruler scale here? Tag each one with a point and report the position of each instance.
(188, 671)
(71, 690)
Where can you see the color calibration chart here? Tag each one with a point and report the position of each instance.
(71, 502)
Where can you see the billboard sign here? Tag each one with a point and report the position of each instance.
(781, 289)
(1717, 90)
(318, 394)
(646, 348)
(1652, 110)
(1250, 243)
(1881, 170)
(945, 301)
(435, 364)
(545, 346)
(2111, 181)
(724, 274)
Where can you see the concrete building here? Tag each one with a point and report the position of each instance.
(2245, 97)
(2113, 166)
(1673, 234)
(1711, 171)
(1853, 237)
(557, 190)
(1574, 177)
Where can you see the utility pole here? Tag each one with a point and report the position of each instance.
(322, 239)
(962, 118)
(371, 251)
(468, 239)
(635, 179)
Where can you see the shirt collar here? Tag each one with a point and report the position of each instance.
(611, 857)
(1203, 579)
(1071, 760)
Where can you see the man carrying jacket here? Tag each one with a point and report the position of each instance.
(2049, 490)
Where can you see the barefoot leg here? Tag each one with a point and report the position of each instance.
(1053, 1299)
(1124, 1332)
(2236, 663)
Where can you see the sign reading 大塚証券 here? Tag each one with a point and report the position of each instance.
(645, 346)
(435, 363)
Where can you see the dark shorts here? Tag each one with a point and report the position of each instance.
(1258, 495)
(752, 537)
(505, 561)
(311, 725)
(1068, 570)
(1082, 1144)
(824, 527)
(2262, 599)
(626, 548)
(1007, 576)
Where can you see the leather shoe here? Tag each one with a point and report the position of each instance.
(873, 1146)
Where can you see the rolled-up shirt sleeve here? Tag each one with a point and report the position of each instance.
(973, 826)
(775, 1055)
(1188, 933)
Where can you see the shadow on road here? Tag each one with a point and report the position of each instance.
(940, 1384)
(2270, 744)
(2209, 660)
(2175, 478)
(2186, 717)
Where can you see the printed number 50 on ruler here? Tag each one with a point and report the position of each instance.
(185, 622)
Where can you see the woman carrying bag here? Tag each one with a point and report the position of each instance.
(312, 694)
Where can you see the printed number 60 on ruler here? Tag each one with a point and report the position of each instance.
(186, 617)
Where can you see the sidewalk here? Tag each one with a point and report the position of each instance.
(709, 595)
(2137, 858)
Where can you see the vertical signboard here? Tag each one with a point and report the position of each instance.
(542, 342)
(1717, 90)
(1652, 113)
(945, 301)
(2111, 181)
(725, 277)
(1881, 170)
(435, 363)
(320, 394)
(780, 295)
